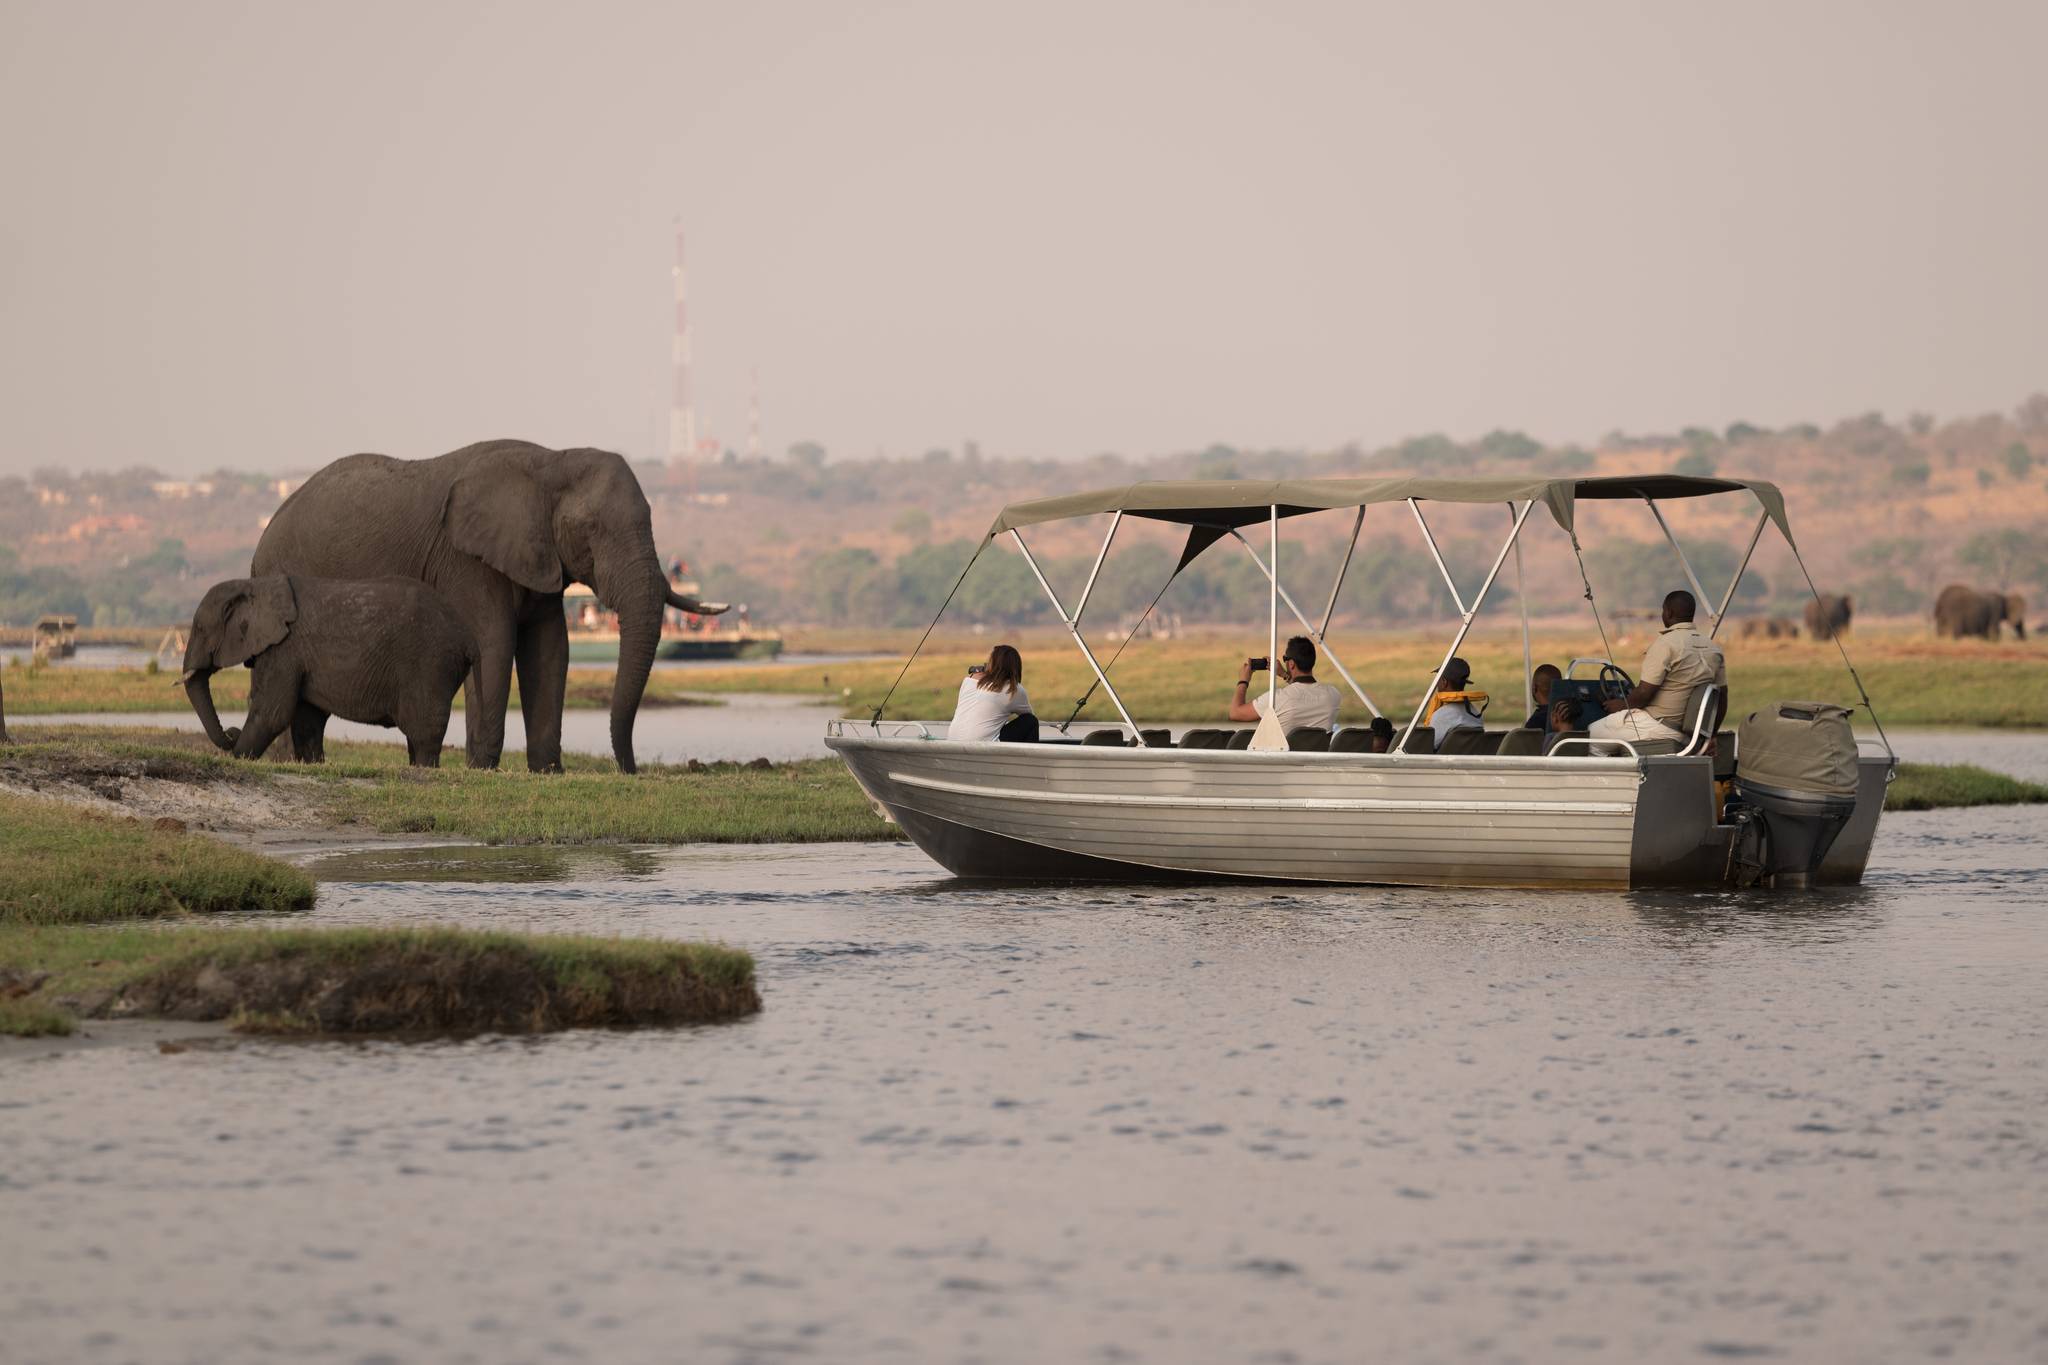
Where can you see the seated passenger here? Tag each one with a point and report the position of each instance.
(1382, 741)
(1451, 702)
(1562, 719)
(1539, 690)
(1300, 701)
(1679, 662)
(992, 703)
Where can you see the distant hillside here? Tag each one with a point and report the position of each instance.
(1888, 511)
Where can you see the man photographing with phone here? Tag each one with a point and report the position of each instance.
(1301, 702)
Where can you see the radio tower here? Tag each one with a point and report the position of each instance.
(682, 417)
(754, 413)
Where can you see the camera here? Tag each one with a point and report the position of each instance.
(973, 669)
(1261, 664)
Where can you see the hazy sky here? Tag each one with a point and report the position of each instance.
(267, 234)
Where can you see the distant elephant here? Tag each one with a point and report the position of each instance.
(1828, 616)
(1961, 611)
(382, 651)
(1769, 628)
(499, 529)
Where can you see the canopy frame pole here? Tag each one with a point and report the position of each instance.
(1074, 629)
(1273, 614)
(1438, 556)
(1115, 521)
(1338, 586)
(1699, 593)
(1891, 754)
(1313, 633)
(875, 721)
(1522, 599)
(1721, 612)
(1465, 625)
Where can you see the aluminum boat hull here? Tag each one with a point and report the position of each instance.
(1099, 813)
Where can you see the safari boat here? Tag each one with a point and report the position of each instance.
(1799, 808)
(594, 634)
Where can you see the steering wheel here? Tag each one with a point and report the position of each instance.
(1615, 683)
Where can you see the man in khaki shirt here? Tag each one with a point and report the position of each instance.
(1678, 663)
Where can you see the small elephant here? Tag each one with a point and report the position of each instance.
(1961, 611)
(1828, 616)
(382, 651)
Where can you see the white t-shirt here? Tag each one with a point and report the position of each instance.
(1452, 715)
(981, 713)
(1302, 705)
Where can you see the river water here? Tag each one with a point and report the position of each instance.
(1027, 1124)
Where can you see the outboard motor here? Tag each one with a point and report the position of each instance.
(1796, 772)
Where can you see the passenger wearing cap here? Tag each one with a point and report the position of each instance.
(1300, 702)
(1453, 705)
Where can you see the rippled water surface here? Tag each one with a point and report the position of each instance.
(1017, 1124)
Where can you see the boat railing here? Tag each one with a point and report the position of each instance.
(1589, 742)
(877, 729)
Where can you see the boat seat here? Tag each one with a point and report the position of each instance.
(1522, 743)
(1422, 741)
(1352, 739)
(1103, 737)
(1309, 739)
(1156, 739)
(1205, 739)
(1240, 739)
(1704, 712)
(1470, 739)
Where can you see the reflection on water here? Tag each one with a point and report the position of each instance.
(1075, 1123)
(464, 863)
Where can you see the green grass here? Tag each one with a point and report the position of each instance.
(1913, 682)
(59, 865)
(1939, 786)
(370, 786)
(803, 802)
(32, 1018)
(370, 980)
(60, 691)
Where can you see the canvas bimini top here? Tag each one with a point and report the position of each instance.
(1226, 503)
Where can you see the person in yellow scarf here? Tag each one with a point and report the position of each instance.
(1453, 704)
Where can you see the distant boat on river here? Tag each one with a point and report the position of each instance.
(594, 632)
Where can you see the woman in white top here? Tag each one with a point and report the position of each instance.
(992, 702)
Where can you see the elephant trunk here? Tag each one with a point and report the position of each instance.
(199, 691)
(638, 596)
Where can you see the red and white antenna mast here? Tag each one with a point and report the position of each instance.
(682, 418)
(754, 413)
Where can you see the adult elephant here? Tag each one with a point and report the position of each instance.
(1961, 611)
(1828, 616)
(498, 529)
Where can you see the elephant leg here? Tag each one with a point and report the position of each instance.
(273, 703)
(543, 684)
(309, 733)
(484, 698)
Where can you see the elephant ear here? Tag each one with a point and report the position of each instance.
(502, 518)
(255, 620)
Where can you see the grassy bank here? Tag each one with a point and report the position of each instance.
(365, 980)
(70, 877)
(369, 787)
(63, 866)
(59, 691)
(1914, 682)
(1941, 786)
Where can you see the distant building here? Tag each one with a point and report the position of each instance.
(177, 490)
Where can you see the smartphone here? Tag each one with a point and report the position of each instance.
(1261, 665)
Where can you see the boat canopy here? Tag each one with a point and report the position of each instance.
(1224, 504)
